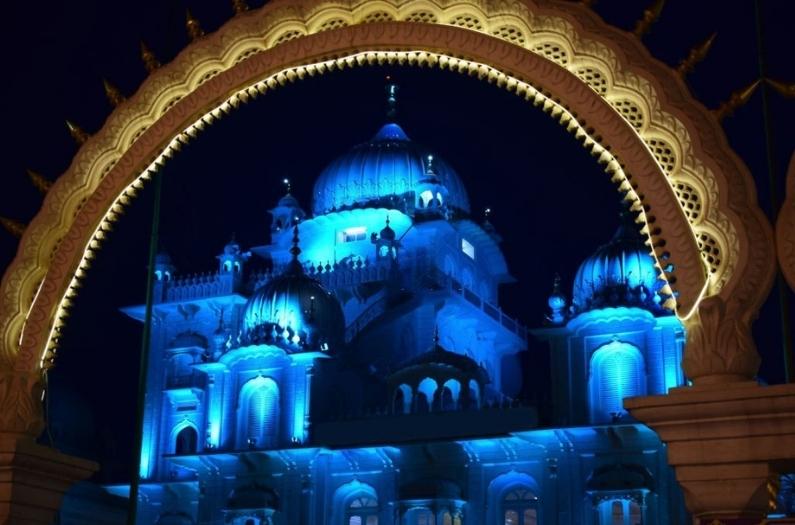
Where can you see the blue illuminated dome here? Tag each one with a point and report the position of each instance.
(619, 273)
(389, 165)
(295, 312)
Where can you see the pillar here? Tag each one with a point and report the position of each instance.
(727, 436)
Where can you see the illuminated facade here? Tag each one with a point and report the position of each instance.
(353, 371)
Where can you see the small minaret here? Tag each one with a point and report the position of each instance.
(386, 243)
(164, 274)
(430, 194)
(557, 304)
(489, 228)
(230, 265)
(391, 99)
(287, 211)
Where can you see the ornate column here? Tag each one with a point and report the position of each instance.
(727, 437)
(33, 478)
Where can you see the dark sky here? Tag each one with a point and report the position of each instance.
(551, 202)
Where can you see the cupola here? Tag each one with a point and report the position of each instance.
(294, 311)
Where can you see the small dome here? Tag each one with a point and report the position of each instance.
(288, 201)
(437, 356)
(232, 248)
(253, 496)
(619, 273)
(294, 311)
(162, 258)
(387, 233)
(390, 164)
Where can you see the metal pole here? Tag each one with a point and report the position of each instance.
(775, 200)
(145, 346)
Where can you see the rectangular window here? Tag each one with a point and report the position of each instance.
(467, 248)
(358, 233)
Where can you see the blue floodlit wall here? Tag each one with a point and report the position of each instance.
(260, 411)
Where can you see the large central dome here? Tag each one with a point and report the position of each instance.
(390, 164)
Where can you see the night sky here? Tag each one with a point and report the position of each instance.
(550, 201)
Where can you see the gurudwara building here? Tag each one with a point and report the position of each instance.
(354, 371)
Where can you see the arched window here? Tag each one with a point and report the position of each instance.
(426, 391)
(617, 371)
(258, 416)
(520, 507)
(425, 198)
(474, 394)
(362, 510)
(451, 391)
(402, 400)
(181, 369)
(419, 516)
(186, 441)
(619, 512)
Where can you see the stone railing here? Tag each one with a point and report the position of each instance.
(491, 310)
(197, 286)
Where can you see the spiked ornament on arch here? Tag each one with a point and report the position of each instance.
(784, 88)
(149, 59)
(41, 183)
(195, 30)
(240, 6)
(737, 99)
(115, 96)
(13, 227)
(650, 16)
(77, 133)
(696, 55)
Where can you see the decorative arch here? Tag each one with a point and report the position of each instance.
(785, 229)
(258, 413)
(345, 494)
(402, 399)
(426, 394)
(502, 486)
(656, 142)
(617, 370)
(184, 438)
(450, 394)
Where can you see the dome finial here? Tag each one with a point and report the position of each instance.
(391, 98)
(287, 185)
(295, 250)
(556, 302)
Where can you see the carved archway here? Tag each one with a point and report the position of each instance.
(635, 116)
(785, 229)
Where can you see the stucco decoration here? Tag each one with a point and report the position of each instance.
(785, 229)
(628, 109)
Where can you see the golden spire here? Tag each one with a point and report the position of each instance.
(13, 227)
(78, 134)
(150, 60)
(42, 184)
(240, 6)
(112, 92)
(650, 15)
(787, 90)
(696, 55)
(737, 99)
(195, 30)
